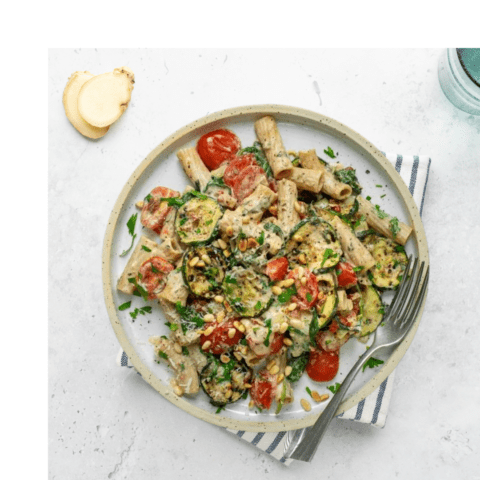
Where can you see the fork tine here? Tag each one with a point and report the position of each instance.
(404, 288)
(409, 300)
(415, 303)
(400, 287)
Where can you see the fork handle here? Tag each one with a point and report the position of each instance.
(305, 450)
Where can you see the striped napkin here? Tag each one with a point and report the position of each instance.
(414, 171)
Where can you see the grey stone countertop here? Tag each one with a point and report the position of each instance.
(105, 422)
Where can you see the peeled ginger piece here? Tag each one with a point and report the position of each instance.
(104, 98)
(70, 102)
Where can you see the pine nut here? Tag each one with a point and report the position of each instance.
(297, 238)
(200, 263)
(206, 345)
(292, 307)
(274, 370)
(206, 259)
(303, 281)
(221, 316)
(246, 220)
(224, 358)
(228, 393)
(209, 317)
(288, 370)
(226, 253)
(288, 283)
(298, 207)
(283, 327)
(218, 299)
(229, 231)
(271, 364)
(287, 342)
(247, 385)
(251, 404)
(139, 204)
(177, 347)
(237, 356)
(178, 391)
(319, 398)
(302, 258)
(208, 331)
(280, 378)
(194, 261)
(242, 246)
(305, 405)
(276, 290)
(231, 332)
(296, 324)
(222, 244)
(300, 271)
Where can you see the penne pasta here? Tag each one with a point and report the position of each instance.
(382, 222)
(194, 167)
(288, 216)
(269, 136)
(307, 179)
(353, 249)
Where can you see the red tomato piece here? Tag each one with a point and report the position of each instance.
(306, 294)
(154, 211)
(217, 146)
(264, 386)
(277, 343)
(219, 339)
(151, 275)
(277, 268)
(322, 366)
(235, 166)
(262, 350)
(346, 277)
(247, 181)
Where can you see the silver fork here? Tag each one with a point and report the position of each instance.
(398, 321)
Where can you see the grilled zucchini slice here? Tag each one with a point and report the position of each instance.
(373, 311)
(197, 219)
(313, 244)
(390, 262)
(224, 382)
(204, 278)
(247, 291)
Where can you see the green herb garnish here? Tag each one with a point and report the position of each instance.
(131, 229)
(372, 363)
(146, 248)
(124, 306)
(329, 152)
(334, 388)
(394, 226)
(287, 294)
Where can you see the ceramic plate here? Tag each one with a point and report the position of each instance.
(300, 130)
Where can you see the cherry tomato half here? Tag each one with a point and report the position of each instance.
(346, 277)
(306, 293)
(154, 211)
(247, 181)
(264, 386)
(220, 342)
(277, 268)
(151, 275)
(235, 166)
(217, 146)
(322, 366)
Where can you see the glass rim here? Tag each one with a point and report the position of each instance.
(465, 69)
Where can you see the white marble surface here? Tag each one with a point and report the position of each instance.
(105, 422)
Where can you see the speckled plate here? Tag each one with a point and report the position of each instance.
(300, 130)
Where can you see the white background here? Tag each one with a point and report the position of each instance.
(104, 421)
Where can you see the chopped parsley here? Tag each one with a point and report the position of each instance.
(348, 176)
(329, 152)
(334, 388)
(131, 229)
(268, 324)
(308, 391)
(261, 238)
(372, 363)
(394, 226)
(146, 248)
(162, 355)
(380, 213)
(287, 294)
(190, 319)
(124, 306)
(274, 228)
(326, 255)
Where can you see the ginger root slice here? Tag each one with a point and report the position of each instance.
(70, 103)
(103, 99)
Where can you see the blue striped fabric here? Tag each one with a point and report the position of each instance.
(414, 171)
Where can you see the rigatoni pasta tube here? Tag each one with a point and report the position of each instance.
(175, 289)
(354, 250)
(382, 223)
(272, 143)
(306, 179)
(331, 186)
(288, 217)
(194, 167)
